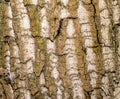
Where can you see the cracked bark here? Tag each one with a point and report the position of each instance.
(60, 49)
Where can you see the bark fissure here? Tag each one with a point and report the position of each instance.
(95, 21)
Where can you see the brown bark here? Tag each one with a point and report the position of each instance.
(60, 49)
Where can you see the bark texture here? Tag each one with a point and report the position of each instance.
(60, 49)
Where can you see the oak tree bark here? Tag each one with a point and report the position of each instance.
(60, 49)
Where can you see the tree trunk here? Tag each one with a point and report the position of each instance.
(60, 49)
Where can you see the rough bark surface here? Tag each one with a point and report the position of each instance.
(60, 49)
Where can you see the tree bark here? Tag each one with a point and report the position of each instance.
(60, 49)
